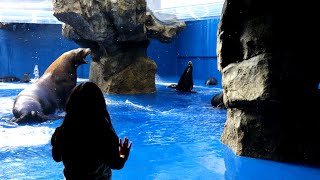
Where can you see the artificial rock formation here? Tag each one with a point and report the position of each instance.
(118, 32)
(16, 26)
(270, 79)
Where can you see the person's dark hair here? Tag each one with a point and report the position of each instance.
(85, 104)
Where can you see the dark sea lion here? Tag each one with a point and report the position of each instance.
(211, 81)
(49, 93)
(25, 78)
(217, 101)
(185, 83)
(9, 79)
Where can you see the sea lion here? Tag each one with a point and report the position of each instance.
(211, 81)
(185, 83)
(25, 78)
(49, 93)
(9, 79)
(217, 101)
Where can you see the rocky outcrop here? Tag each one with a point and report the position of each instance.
(118, 34)
(270, 83)
(16, 26)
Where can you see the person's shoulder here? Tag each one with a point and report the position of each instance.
(56, 135)
(58, 130)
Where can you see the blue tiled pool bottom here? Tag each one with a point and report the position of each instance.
(175, 136)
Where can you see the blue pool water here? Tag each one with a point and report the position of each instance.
(175, 136)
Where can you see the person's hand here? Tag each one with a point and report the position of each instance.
(124, 148)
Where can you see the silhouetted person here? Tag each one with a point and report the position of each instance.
(86, 142)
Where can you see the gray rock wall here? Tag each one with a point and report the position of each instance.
(118, 32)
(270, 82)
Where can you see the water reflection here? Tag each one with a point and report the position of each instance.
(244, 168)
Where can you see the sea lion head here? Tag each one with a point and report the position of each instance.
(189, 68)
(79, 55)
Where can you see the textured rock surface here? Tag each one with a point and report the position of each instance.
(270, 86)
(117, 31)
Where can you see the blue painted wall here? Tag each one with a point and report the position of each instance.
(165, 56)
(41, 44)
(197, 43)
(21, 49)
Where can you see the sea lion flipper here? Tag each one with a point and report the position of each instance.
(34, 118)
(12, 119)
(17, 120)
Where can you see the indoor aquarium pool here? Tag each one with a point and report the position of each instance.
(174, 135)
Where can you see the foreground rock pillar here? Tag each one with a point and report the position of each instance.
(270, 82)
(118, 34)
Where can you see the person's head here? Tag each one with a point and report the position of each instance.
(86, 105)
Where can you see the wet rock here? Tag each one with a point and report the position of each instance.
(118, 34)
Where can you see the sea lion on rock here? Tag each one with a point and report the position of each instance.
(185, 83)
(49, 93)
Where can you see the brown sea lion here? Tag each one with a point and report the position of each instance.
(49, 93)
